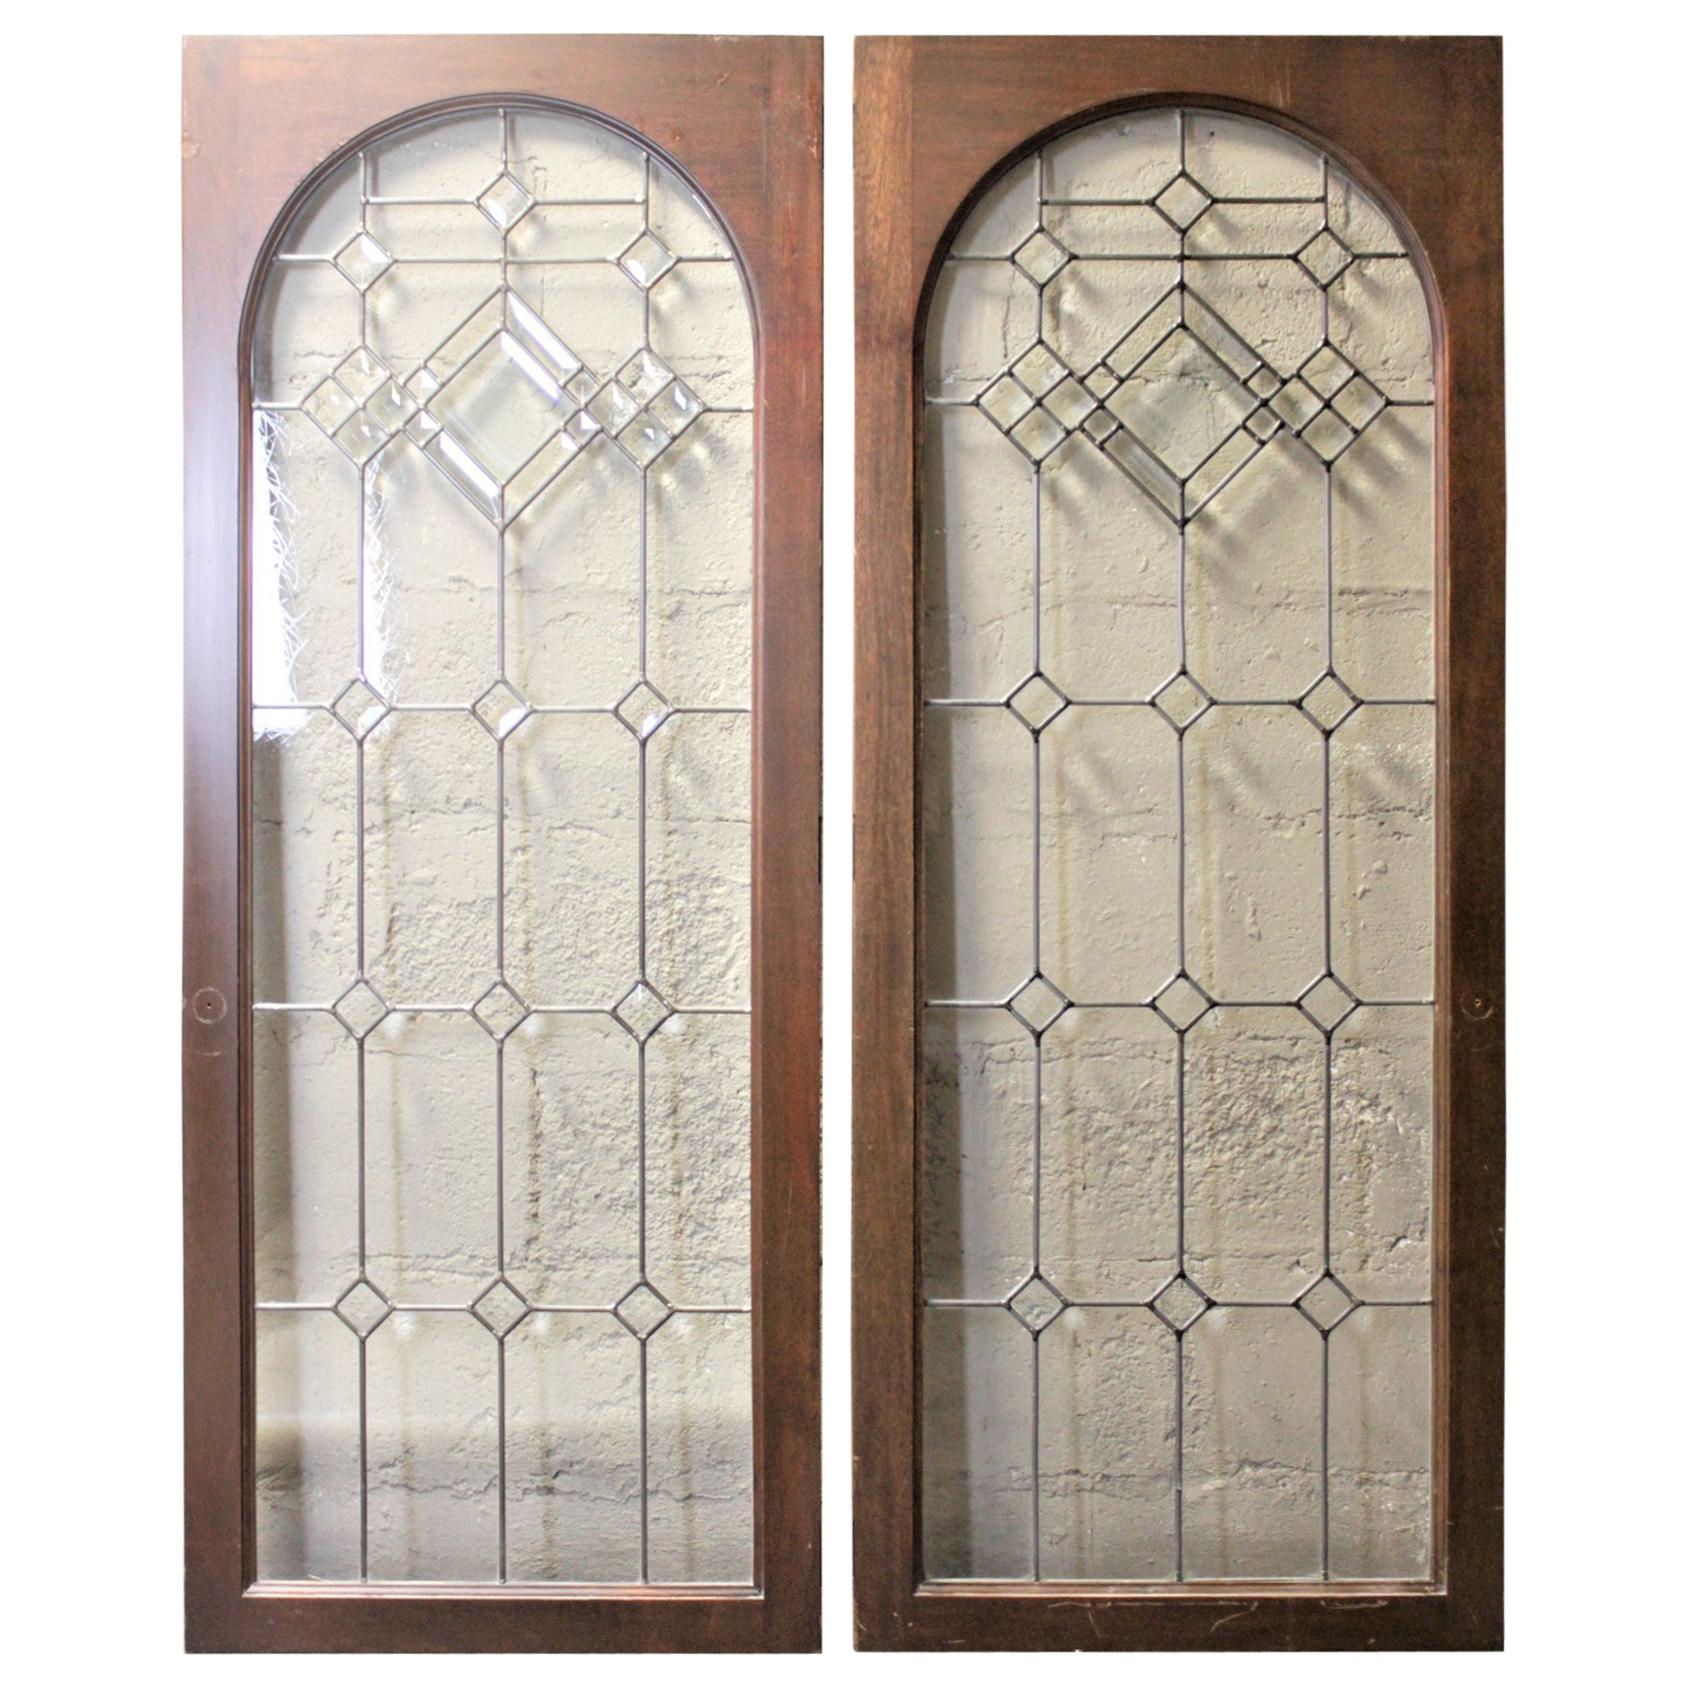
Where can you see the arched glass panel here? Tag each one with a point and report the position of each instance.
(1178, 869)
(501, 545)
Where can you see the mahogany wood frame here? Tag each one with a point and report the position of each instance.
(742, 117)
(1419, 121)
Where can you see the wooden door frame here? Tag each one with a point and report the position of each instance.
(1419, 121)
(262, 116)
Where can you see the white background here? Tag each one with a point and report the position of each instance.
(90, 545)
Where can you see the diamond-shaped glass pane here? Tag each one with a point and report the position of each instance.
(391, 406)
(643, 1311)
(328, 405)
(500, 1010)
(1101, 383)
(645, 440)
(1296, 403)
(1182, 1001)
(1068, 403)
(1327, 1002)
(1327, 1303)
(1324, 257)
(644, 374)
(676, 407)
(506, 400)
(1037, 434)
(1358, 403)
(642, 709)
(1179, 1303)
(1326, 371)
(360, 1009)
(1041, 257)
(581, 427)
(1038, 1004)
(1264, 382)
(1036, 702)
(1327, 435)
(362, 1307)
(359, 708)
(613, 407)
(500, 1308)
(506, 201)
(1039, 370)
(1184, 202)
(647, 260)
(642, 1012)
(1181, 701)
(1005, 402)
(501, 709)
(1181, 402)
(362, 260)
(1328, 702)
(1036, 1304)
(361, 373)
(361, 437)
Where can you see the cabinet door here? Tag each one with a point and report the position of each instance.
(1181, 493)
(503, 584)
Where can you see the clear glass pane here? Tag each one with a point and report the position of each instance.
(1178, 875)
(502, 602)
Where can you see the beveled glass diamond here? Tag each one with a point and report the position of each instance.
(1182, 1002)
(644, 374)
(362, 260)
(1179, 1304)
(1358, 403)
(613, 407)
(1101, 383)
(1264, 382)
(1184, 202)
(500, 1308)
(359, 708)
(643, 1311)
(500, 709)
(642, 1012)
(1326, 371)
(506, 202)
(1005, 402)
(1181, 402)
(1037, 701)
(361, 373)
(328, 404)
(1327, 435)
(1041, 257)
(1038, 434)
(581, 427)
(1324, 257)
(361, 437)
(360, 1009)
(1068, 403)
(1038, 1004)
(1296, 404)
(647, 260)
(1263, 425)
(362, 1308)
(1326, 1303)
(1328, 702)
(645, 440)
(1037, 1304)
(1100, 427)
(1327, 1003)
(499, 1011)
(676, 407)
(1039, 370)
(391, 406)
(509, 397)
(1181, 701)
(642, 709)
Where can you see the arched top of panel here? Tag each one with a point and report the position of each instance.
(503, 284)
(1173, 249)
